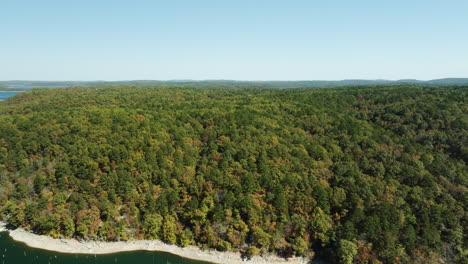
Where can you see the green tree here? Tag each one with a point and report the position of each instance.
(169, 230)
(151, 226)
(347, 250)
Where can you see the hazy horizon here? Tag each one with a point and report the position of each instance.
(233, 80)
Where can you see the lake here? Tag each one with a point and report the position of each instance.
(28, 87)
(20, 87)
(12, 252)
(5, 95)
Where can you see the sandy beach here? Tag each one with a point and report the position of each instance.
(96, 247)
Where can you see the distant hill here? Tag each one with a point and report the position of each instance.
(18, 84)
(449, 81)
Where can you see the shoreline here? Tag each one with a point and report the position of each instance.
(73, 246)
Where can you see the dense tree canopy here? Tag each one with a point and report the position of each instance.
(366, 175)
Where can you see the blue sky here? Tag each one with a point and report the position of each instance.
(238, 39)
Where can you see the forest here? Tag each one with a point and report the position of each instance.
(367, 174)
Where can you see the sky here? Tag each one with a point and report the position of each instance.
(235, 40)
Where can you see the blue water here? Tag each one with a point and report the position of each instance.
(28, 87)
(21, 87)
(12, 252)
(5, 95)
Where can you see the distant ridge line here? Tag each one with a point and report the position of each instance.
(25, 84)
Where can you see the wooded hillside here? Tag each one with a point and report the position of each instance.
(367, 174)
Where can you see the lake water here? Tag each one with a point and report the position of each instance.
(20, 87)
(28, 87)
(12, 252)
(5, 95)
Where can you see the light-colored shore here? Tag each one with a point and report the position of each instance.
(93, 247)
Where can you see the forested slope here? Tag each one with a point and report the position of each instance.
(352, 174)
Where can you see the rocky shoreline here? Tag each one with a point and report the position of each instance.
(97, 247)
